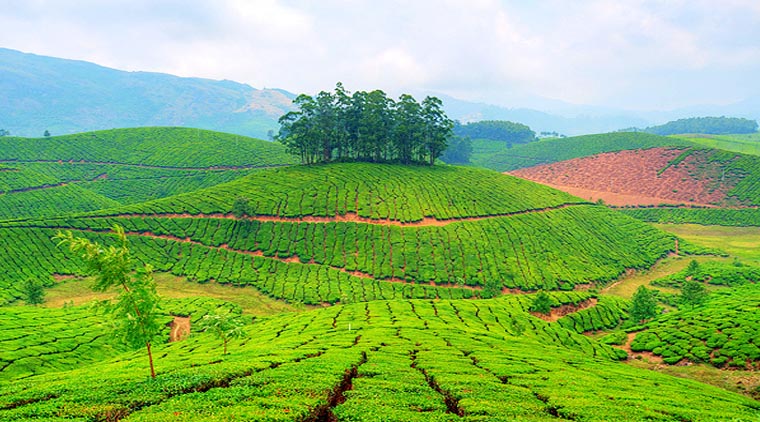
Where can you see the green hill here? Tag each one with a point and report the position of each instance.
(723, 332)
(356, 232)
(106, 169)
(551, 150)
(416, 360)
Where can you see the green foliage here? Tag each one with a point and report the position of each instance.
(46, 134)
(643, 305)
(693, 268)
(241, 207)
(707, 125)
(458, 151)
(225, 326)
(541, 303)
(498, 130)
(365, 127)
(416, 360)
(723, 331)
(693, 293)
(33, 291)
(742, 217)
(713, 272)
(4, 132)
(135, 310)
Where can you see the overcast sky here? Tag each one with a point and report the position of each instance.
(652, 55)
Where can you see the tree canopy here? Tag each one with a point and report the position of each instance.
(498, 130)
(365, 126)
(708, 125)
(643, 305)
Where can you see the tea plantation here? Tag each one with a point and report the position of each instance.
(414, 289)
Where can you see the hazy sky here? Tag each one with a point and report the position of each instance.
(628, 54)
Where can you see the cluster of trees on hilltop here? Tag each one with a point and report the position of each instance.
(365, 126)
(708, 125)
(499, 130)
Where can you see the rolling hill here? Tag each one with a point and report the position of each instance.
(411, 289)
(352, 232)
(106, 169)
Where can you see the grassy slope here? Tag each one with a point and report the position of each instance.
(520, 245)
(404, 360)
(105, 169)
(559, 149)
(743, 143)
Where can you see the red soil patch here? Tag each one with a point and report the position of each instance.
(180, 328)
(557, 313)
(631, 178)
(63, 277)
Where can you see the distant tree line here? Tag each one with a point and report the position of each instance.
(708, 125)
(458, 151)
(365, 126)
(4, 132)
(498, 130)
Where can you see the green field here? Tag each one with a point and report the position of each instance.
(368, 292)
(743, 143)
(397, 360)
(106, 169)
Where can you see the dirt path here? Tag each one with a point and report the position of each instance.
(294, 259)
(350, 217)
(180, 328)
(559, 312)
(649, 356)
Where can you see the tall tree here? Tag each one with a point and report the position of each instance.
(643, 305)
(693, 293)
(135, 309)
(438, 128)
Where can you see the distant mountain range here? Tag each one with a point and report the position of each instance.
(39, 93)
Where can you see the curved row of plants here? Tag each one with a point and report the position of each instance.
(396, 360)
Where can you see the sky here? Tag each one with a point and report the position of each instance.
(626, 54)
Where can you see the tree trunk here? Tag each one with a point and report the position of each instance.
(150, 358)
(225, 347)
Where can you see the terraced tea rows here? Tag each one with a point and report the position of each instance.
(373, 191)
(743, 217)
(724, 332)
(554, 249)
(40, 340)
(468, 361)
(107, 169)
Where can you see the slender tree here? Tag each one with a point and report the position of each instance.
(693, 293)
(224, 326)
(643, 305)
(135, 309)
(542, 303)
(34, 292)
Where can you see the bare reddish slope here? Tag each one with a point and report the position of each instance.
(631, 178)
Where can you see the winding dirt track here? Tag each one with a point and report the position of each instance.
(350, 217)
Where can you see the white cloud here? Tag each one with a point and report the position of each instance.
(595, 51)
